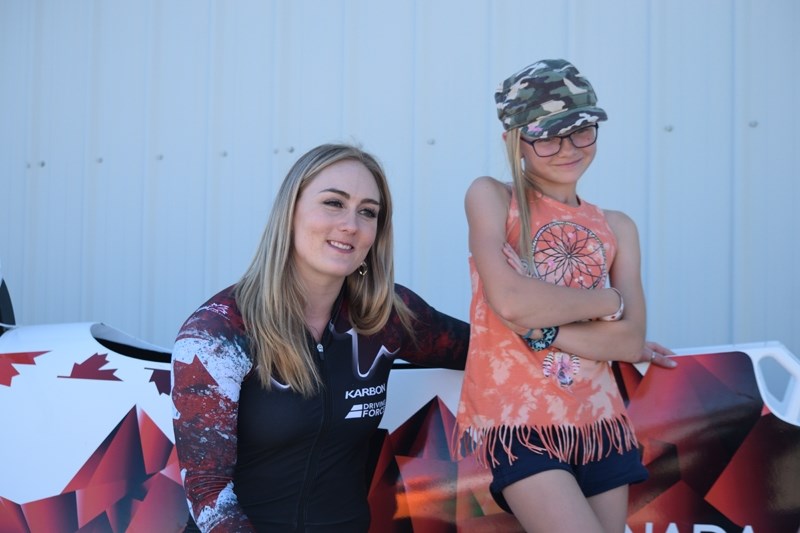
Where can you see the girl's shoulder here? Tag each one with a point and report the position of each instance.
(620, 223)
(616, 217)
(492, 182)
(485, 188)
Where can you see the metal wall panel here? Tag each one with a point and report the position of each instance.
(117, 161)
(689, 234)
(765, 290)
(55, 212)
(142, 144)
(242, 149)
(16, 28)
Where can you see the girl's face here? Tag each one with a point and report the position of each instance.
(335, 222)
(558, 175)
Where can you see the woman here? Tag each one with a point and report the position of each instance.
(539, 403)
(280, 380)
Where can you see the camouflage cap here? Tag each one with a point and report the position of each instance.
(549, 98)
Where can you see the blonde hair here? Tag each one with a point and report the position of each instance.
(271, 297)
(521, 186)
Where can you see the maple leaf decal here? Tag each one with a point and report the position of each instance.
(7, 360)
(162, 380)
(92, 369)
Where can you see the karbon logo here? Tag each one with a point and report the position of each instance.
(366, 410)
(366, 392)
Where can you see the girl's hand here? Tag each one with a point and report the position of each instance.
(654, 353)
(514, 261)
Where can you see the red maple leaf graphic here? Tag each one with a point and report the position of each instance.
(91, 369)
(7, 360)
(162, 380)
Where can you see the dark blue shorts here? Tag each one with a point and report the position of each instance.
(612, 471)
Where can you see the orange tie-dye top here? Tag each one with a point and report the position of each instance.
(510, 390)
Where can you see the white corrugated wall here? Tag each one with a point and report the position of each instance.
(141, 143)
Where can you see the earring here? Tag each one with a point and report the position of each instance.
(362, 269)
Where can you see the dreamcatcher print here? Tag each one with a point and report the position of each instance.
(569, 254)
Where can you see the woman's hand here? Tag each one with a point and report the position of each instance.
(654, 353)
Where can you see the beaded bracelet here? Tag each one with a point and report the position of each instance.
(618, 313)
(545, 341)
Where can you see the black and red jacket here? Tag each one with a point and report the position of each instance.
(258, 460)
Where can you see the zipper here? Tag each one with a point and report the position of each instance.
(312, 465)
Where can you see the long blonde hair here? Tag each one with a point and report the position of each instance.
(271, 297)
(522, 185)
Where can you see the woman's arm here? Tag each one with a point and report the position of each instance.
(521, 300)
(208, 367)
(441, 340)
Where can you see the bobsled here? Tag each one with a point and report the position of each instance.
(87, 441)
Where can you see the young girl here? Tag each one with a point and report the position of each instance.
(539, 403)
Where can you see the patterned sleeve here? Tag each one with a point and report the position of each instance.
(209, 363)
(441, 340)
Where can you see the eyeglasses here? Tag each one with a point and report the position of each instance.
(551, 146)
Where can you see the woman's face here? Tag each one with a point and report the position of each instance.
(335, 222)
